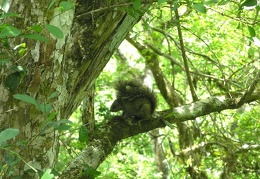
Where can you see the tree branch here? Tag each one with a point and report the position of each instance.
(184, 57)
(250, 89)
(116, 129)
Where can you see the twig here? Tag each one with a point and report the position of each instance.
(250, 89)
(186, 66)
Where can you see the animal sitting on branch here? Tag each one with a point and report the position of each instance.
(134, 99)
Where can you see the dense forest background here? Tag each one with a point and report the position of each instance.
(221, 47)
(201, 58)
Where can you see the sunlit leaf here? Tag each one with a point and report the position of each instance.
(189, 162)
(200, 7)
(22, 52)
(223, 2)
(47, 174)
(22, 45)
(251, 31)
(256, 41)
(162, 1)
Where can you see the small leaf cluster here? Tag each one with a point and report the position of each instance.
(10, 55)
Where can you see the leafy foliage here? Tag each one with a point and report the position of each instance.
(223, 58)
(8, 134)
(218, 41)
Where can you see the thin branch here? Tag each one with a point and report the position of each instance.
(194, 96)
(157, 51)
(233, 18)
(250, 89)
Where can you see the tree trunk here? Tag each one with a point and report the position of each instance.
(58, 73)
(52, 78)
(159, 154)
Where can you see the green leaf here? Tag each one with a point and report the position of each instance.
(200, 7)
(51, 116)
(223, 2)
(8, 134)
(54, 94)
(3, 62)
(51, 4)
(137, 4)
(47, 174)
(169, 115)
(62, 125)
(36, 28)
(26, 98)
(45, 108)
(66, 5)
(36, 37)
(22, 52)
(251, 31)
(162, 1)
(83, 134)
(55, 31)
(9, 31)
(13, 80)
(249, 3)
(91, 173)
(251, 51)
(9, 14)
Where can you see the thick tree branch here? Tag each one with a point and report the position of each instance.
(182, 113)
(117, 129)
(93, 41)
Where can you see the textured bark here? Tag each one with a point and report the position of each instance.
(159, 154)
(117, 129)
(35, 150)
(88, 116)
(68, 66)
